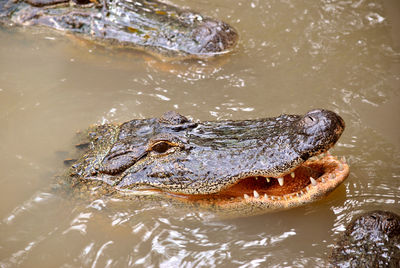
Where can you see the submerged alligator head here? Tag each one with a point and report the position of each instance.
(149, 25)
(249, 166)
(370, 240)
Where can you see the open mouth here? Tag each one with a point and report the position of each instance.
(309, 182)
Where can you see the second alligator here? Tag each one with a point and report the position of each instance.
(150, 25)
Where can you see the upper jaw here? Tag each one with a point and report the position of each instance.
(196, 183)
(315, 177)
(328, 171)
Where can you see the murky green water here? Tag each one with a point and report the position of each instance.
(293, 56)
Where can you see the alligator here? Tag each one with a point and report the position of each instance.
(370, 240)
(150, 25)
(242, 167)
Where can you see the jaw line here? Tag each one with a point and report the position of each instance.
(335, 171)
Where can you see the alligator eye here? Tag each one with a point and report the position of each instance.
(161, 147)
(83, 2)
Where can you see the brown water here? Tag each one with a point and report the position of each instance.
(293, 56)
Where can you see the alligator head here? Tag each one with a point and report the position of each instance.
(153, 26)
(250, 165)
(371, 240)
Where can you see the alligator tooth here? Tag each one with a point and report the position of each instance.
(256, 195)
(322, 179)
(280, 180)
(272, 198)
(246, 196)
(268, 180)
(298, 195)
(265, 196)
(292, 174)
(313, 181)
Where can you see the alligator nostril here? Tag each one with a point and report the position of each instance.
(309, 119)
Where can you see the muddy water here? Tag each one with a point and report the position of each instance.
(293, 56)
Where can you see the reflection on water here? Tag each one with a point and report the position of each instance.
(292, 56)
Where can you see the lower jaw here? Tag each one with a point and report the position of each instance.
(256, 195)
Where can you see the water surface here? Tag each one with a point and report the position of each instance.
(292, 56)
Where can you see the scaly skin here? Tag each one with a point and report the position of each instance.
(230, 166)
(162, 29)
(370, 240)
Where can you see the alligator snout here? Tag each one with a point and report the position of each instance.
(320, 120)
(215, 37)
